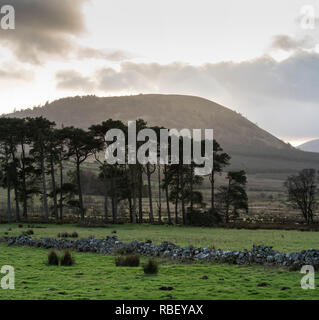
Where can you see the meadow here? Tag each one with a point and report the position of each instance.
(95, 276)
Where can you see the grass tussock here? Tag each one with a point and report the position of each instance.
(68, 235)
(130, 260)
(53, 259)
(67, 259)
(151, 267)
(27, 232)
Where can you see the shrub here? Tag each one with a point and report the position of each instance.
(63, 235)
(67, 259)
(92, 224)
(131, 260)
(295, 267)
(212, 247)
(53, 259)
(120, 261)
(74, 235)
(197, 218)
(20, 225)
(27, 232)
(151, 267)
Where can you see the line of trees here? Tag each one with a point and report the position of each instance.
(34, 153)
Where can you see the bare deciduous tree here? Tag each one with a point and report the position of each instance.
(302, 189)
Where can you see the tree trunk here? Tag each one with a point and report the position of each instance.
(78, 173)
(140, 196)
(45, 199)
(130, 207)
(9, 202)
(134, 202)
(151, 216)
(167, 197)
(24, 184)
(183, 197)
(16, 193)
(227, 204)
(8, 188)
(55, 202)
(61, 191)
(176, 201)
(191, 188)
(159, 194)
(17, 204)
(212, 199)
(133, 172)
(115, 201)
(105, 208)
(176, 210)
(115, 208)
(114, 211)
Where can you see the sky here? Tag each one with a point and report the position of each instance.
(260, 58)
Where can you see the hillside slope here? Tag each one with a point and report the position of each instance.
(251, 147)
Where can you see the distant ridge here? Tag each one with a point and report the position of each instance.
(310, 146)
(251, 147)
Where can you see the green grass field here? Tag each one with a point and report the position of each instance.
(96, 277)
(227, 239)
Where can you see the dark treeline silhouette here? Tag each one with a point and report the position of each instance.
(35, 155)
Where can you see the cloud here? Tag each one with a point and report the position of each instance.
(288, 43)
(281, 94)
(106, 54)
(43, 28)
(70, 80)
(49, 29)
(295, 78)
(11, 72)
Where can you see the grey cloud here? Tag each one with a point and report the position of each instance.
(70, 80)
(11, 72)
(43, 28)
(288, 43)
(48, 29)
(153, 77)
(278, 95)
(295, 78)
